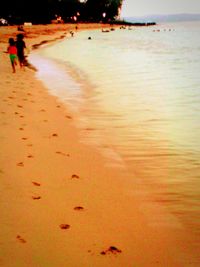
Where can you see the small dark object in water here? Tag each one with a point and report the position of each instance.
(105, 30)
(72, 33)
(89, 38)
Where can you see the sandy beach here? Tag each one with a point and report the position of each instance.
(61, 205)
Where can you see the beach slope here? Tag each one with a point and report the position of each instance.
(61, 203)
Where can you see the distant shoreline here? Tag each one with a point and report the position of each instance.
(127, 23)
(164, 18)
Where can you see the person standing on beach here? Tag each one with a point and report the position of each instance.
(20, 49)
(12, 50)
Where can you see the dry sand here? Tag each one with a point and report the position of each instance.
(61, 205)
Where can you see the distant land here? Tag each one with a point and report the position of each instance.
(164, 18)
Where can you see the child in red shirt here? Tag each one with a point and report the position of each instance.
(12, 50)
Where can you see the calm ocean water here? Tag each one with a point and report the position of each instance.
(136, 94)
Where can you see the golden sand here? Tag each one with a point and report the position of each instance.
(60, 204)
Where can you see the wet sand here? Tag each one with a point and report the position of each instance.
(61, 204)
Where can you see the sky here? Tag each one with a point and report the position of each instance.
(156, 7)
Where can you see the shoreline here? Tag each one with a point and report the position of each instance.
(58, 209)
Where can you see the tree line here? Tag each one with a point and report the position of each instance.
(43, 11)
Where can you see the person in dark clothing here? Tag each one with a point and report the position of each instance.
(20, 28)
(20, 44)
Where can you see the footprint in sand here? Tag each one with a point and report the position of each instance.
(64, 226)
(24, 138)
(42, 110)
(20, 239)
(54, 135)
(69, 117)
(111, 250)
(21, 129)
(30, 156)
(36, 183)
(78, 208)
(19, 106)
(75, 176)
(16, 113)
(61, 153)
(30, 145)
(21, 164)
(89, 129)
(36, 197)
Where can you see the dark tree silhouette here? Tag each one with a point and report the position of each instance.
(43, 11)
(95, 9)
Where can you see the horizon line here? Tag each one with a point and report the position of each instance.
(157, 14)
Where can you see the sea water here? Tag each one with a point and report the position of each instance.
(136, 94)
